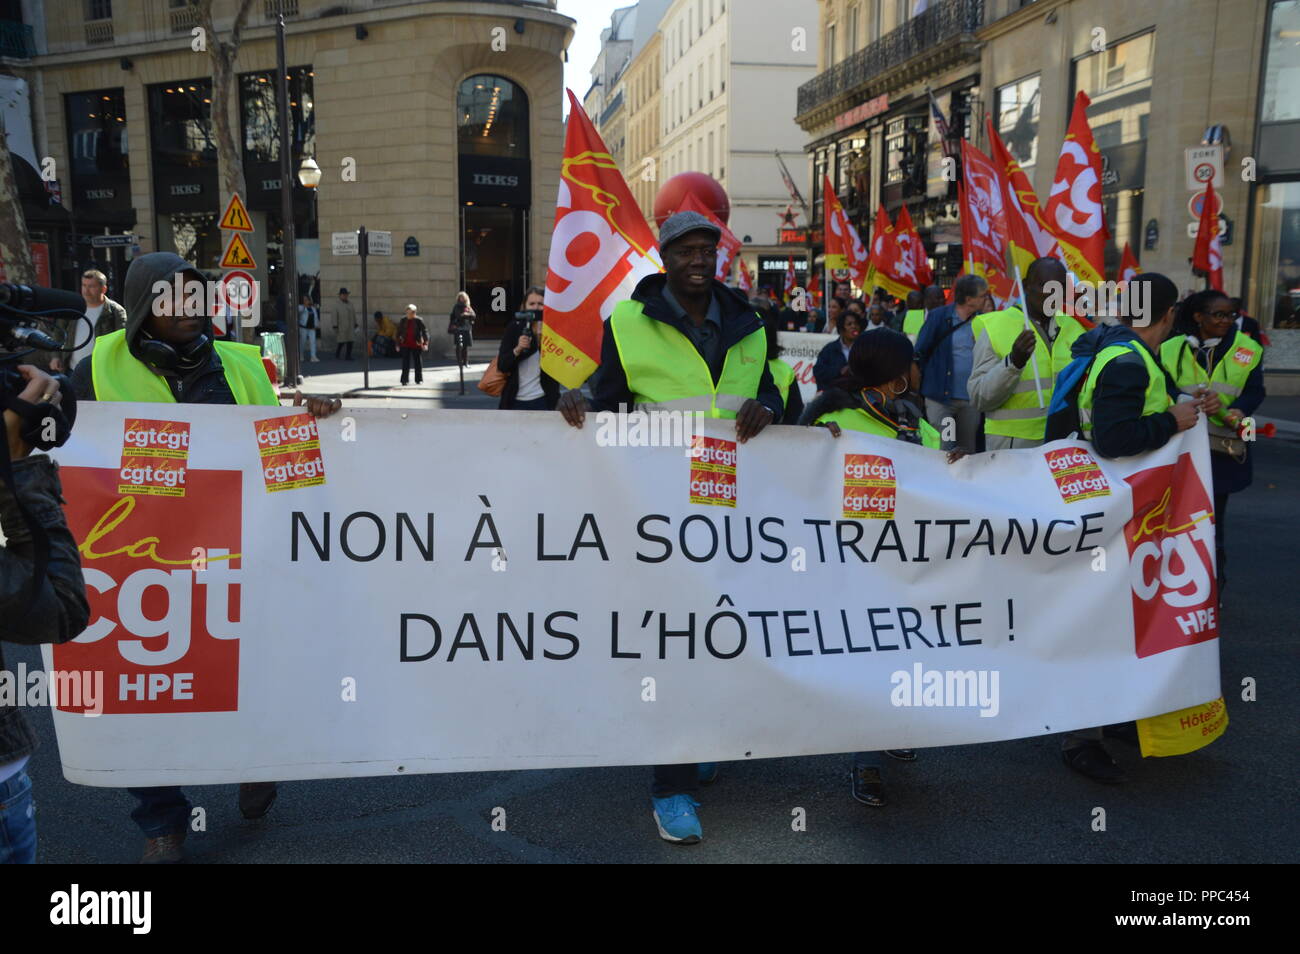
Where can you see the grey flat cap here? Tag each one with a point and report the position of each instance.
(679, 223)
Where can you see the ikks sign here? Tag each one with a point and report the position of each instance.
(317, 628)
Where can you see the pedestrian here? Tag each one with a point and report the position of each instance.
(835, 355)
(1220, 357)
(1124, 403)
(413, 340)
(308, 326)
(945, 353)
(878, 317)
(343, 319)
(104, 315)
(384, 341)
(1002, 381)
(165, 355)
(914, 317)
(460, 324)
(833, 308)
(868, 396)
(651, 357)
(30, 508)
(519, 358)
(782, 372)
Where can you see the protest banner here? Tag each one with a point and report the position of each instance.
(285, 618)
(800, 349)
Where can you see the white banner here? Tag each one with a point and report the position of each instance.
(405, 592)
(799, 349)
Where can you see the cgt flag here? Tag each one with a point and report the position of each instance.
(600, 248)
(1207, 256)
(912, 248)
(1128, 265)
(844, 248)
(1027, 232)
(728, 244)
(791, 280)
(745, 280)
(1074, 210)
(890, 270)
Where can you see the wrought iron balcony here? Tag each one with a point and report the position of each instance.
(16, 40)
(945, 26)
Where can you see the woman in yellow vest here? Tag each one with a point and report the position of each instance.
(868, 397)
(1225, 360)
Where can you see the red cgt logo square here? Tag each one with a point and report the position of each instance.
(1170, 542)
(164, 619)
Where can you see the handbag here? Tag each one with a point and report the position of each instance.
(493, 381)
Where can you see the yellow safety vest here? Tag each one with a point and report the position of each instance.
(119, 375)
(1157, 398)
(912, 322)
(1020, 416)
(665, 372)
(1227, 378)
(783, 375)
(856, 419)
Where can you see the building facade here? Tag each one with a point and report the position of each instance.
(1163, 77)
(436, 121)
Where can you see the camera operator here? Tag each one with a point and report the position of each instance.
(528, 388)
(57, 610)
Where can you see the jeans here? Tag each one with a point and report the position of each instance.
(162, 811)
(17, 821)
(681, 779)
(536, 404)
(307, 341)
(411, 356)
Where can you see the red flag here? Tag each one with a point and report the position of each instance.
(814, 287)
(844, 248)
(1207, 256)
(601, 247)
(912, 249)
(791, 282)
(1074, 209)
(1128, 265)
(745, 281)
(889, 270)
(728, 244)
(1027, 232)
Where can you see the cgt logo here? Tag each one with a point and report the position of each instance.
(164, 624)
(1170, 541)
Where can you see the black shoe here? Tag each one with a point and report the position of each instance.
(1123, 731)
(1093, 761)
(256, 798)
(903, 755)
(868, 787)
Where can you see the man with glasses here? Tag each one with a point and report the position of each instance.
(945, 351)
(684, 342)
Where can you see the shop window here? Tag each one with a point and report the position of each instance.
(1281, 102)
(1277, 274)
(1017, 108)
(97, 132)
(258, 95)
(492, 115)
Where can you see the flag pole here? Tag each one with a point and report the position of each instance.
(1033, 355)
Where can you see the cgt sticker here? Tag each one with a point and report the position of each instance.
(152, 476)
(713, 471)
(1170, 542)
(869, 487)
(1077, 474)
(164, 620)
(145, 438)
(290, 451)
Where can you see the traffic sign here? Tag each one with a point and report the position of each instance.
(344, 243)
(379, 243)
(1203, 164)
(1197, 203)
(236, 217)
(112, 241)
(1225, 230)
(237, 254)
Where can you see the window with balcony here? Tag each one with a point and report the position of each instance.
(1016, 107)
(876, 7)
(851, 40)
(829, 45)
(99, 9)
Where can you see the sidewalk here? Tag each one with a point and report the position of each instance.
(1283, 413)
(441, 386)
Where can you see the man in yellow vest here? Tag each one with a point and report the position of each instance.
(1126, 406)
(1003, 383)
(166, 354)
(683, 342)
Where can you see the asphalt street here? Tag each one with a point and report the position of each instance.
(1231, 802)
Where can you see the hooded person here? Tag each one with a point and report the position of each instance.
(166, 355)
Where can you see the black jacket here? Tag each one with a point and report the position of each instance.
(609, 388)
(60, 612)
(421, 332)
(835, 399)
(508, 365)
(202, 383)
(1118, 427)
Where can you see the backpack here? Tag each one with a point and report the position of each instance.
(1063, 413)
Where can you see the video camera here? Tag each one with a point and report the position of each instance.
(45, 425)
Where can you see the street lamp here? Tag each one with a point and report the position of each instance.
(309, 173)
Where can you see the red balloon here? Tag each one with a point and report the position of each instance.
(704, 187)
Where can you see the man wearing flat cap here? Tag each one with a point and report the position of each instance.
(684, 342)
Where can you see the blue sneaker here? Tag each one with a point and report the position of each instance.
(676, 819)
(708, 772)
